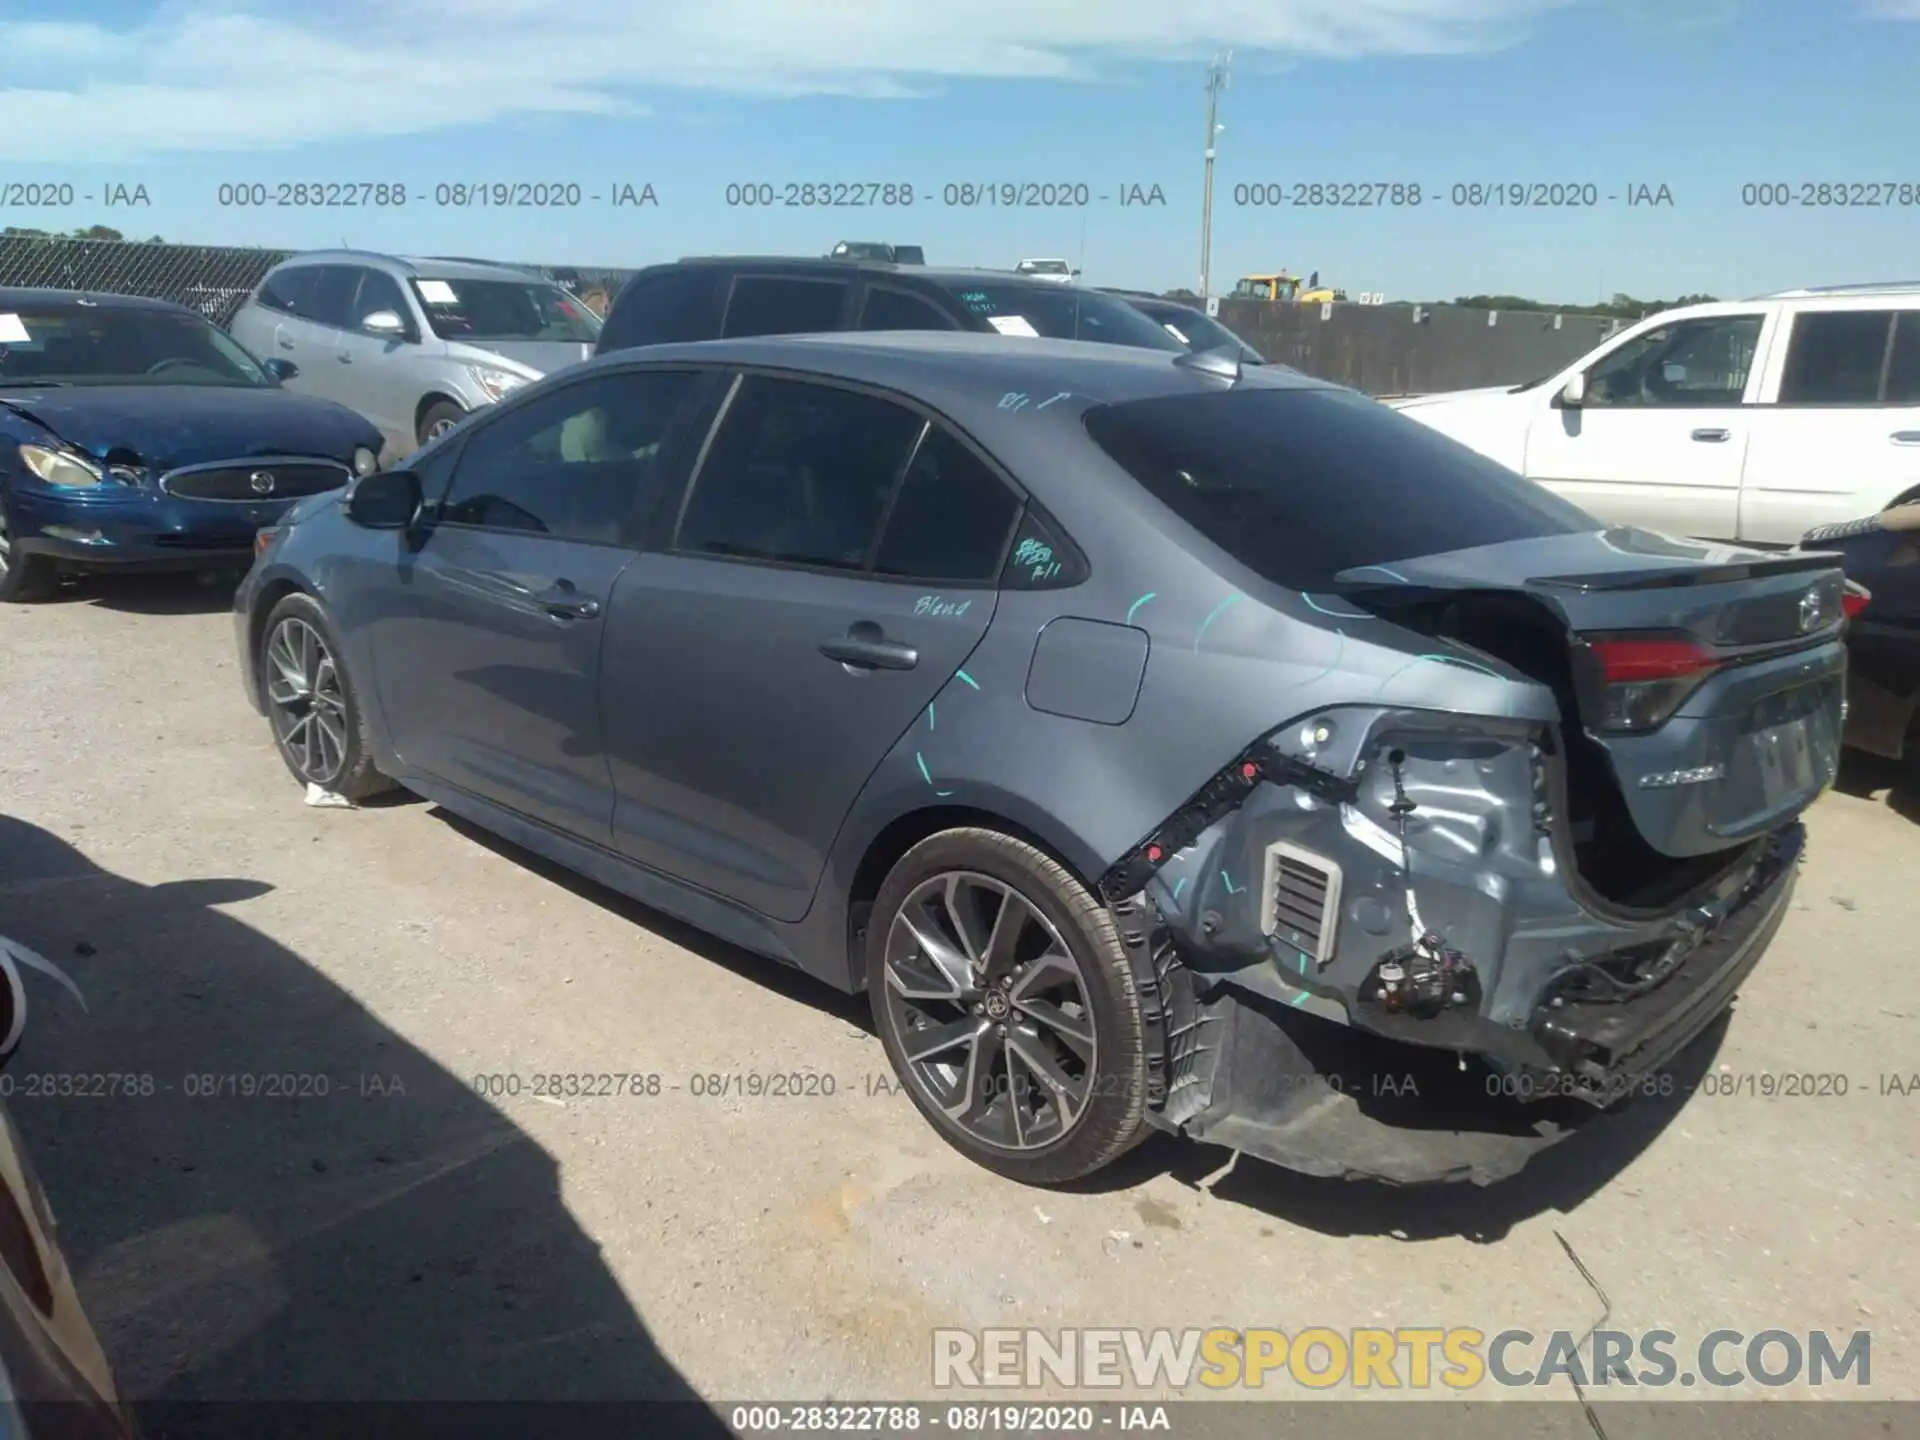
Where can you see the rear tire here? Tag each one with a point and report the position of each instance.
(440, 417)
(23, 578)
(1038, 1073)
(311, 703)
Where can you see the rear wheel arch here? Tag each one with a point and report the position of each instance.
(886, 849)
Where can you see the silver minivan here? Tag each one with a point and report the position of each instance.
(415, 345)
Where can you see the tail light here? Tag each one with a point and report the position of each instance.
(1856, 599)
(1641, 680)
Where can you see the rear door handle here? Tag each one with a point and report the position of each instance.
(1905, 437)
(563, 602)
(865, 646)
(1713, 436)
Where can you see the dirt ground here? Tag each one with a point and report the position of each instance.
(401, 1235)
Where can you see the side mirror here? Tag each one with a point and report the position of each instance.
(1674, 374)
(1573, 394)
(385, 324)
(385, 500)
(281, 369)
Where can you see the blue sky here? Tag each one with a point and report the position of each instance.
(1699, 96)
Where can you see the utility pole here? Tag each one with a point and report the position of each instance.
(1216, 82)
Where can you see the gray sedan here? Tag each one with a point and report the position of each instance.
(1159, 745)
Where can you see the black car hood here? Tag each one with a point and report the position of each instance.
(170, 425)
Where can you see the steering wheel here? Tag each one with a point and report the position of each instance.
(160, 367)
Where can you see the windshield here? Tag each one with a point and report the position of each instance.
(505, 310)
(1301, 484)
(109, 345)
(1060, 312)
(1203, 332)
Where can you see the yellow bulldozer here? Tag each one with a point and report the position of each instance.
(1283, 287)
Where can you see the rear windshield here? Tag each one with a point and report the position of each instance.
(1299, 485)
(1060, 312)
(504, 310)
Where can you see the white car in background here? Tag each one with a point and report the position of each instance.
(1057, 270)
(1750, 421)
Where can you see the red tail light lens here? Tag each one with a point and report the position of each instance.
(1856, 599)
(1623, 661)
(1641, 681)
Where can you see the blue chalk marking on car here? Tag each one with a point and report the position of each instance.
(1215, 615)
(1312, 604)
(1063, 395)
(962, 675)
(941, 609)
(930, 715)
(1227, 880)
(1334, 664)
(1138, 603)
(1178, 886)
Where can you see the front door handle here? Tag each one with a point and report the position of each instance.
(1905, 437)
(868, 648)
(563, 602)
(1713, 436)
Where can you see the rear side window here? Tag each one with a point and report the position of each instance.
(288, 290)
(673, 308)
(1301, 484)
(1903, 365)
(951, 518)
(763, 305)
(799, 473)
(1836, 357)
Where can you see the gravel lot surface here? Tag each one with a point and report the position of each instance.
(401, 1235)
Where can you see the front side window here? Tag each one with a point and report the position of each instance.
(1299, 485)
(110, 345)
(1836, 357)
(886, 309)
(1689, 363)
(1059, 312)
(579, 463)
(378, 292)
(764, 305)
(800, 474)
(481, 310)
(330, 302)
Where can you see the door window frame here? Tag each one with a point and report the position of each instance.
(695, 422)
(666, 536)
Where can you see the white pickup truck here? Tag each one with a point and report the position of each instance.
(1751, 421)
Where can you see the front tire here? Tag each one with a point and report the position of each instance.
(23, 578)
(440, 417)
(311, 704)
(1007, 1007)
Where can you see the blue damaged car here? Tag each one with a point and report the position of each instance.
(136, 435)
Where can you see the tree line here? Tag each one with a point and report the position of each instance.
(91, 232)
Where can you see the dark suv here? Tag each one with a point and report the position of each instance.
(729, 297)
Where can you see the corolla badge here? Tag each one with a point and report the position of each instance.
(261, 482)
(13, 994)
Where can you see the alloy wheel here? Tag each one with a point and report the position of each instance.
(6, 543)
(440, 427)
(991, 1011)
(308, 705)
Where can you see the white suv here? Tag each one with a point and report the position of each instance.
(1059, 271)
(1752, 421)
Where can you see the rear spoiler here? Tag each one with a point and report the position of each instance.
(1785, 562)
(1900, 519)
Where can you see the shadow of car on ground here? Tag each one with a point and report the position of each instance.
(362, 1228)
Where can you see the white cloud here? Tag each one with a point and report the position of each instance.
(232, 75)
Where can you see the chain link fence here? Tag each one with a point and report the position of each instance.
(213, 279)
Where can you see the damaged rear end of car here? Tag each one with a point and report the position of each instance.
(1538, 825)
